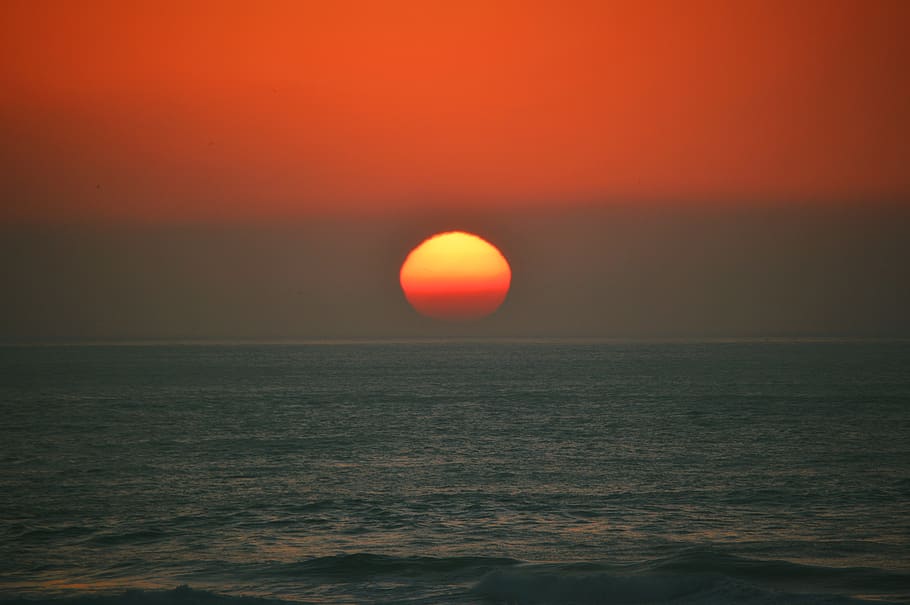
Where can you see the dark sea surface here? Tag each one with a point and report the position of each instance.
(456, 472)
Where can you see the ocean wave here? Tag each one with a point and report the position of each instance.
(182, 595)
(692, 577)
(781, 573)
(695, 577)
(364, 564)
(501, 587)
(532, 586)
(536, 587)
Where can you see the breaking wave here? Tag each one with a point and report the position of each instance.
(689, 578)
(693, 578)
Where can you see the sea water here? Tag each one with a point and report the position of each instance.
(456, 472)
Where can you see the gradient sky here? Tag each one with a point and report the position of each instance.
(227, 169)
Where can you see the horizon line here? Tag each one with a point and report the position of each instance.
(543, 340)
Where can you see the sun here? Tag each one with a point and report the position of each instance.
(455, 276)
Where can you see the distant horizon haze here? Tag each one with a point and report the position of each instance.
(596, 272)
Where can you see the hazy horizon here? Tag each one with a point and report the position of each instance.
(599, 272)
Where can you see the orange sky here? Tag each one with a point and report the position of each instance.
(233, 111)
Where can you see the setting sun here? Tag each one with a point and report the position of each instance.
(455, 276)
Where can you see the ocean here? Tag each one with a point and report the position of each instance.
(456, 472)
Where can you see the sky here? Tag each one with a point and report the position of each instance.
(236, 170)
